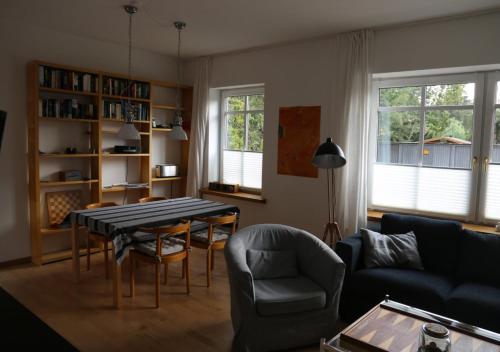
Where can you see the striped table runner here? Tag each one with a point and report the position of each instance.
(119, 222)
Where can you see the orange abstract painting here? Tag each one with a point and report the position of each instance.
(299, 133)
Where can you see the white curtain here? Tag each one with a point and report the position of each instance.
(198, 140)
(350, 125)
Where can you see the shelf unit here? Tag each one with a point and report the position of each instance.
(99, 130)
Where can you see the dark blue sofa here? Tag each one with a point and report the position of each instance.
(461, 279)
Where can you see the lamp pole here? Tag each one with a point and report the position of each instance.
(330, 156)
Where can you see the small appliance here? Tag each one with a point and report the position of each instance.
(166, 170)
(126, 149)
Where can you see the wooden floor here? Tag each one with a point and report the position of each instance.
(82, 312)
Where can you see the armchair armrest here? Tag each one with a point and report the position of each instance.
(239, 273)
(321, 264)
(350, 251)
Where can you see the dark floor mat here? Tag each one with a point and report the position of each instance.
(21, 329)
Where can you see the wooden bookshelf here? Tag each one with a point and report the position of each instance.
(123, 189)
(161, 129)
(124, 154)
(165, 107)
(166, 179)
(67, 91)
(122, 121)
(60, 119)
(65, 183)
(94, 91)
(118, 97)
(62, 155)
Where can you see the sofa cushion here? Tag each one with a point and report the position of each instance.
(286, 296)
(438, 240)
(479, 258)
(416, 288)
(475, 304)
(266, 264)
(395, 250)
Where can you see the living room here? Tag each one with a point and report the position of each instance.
(407, 90)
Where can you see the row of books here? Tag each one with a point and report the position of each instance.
(66, 108)
(115, 110)
(62, 79)
(125, 88)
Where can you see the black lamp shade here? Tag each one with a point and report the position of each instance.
(329, 156)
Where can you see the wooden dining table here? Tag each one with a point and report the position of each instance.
(118, 223)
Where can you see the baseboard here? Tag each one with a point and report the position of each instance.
(15, 262)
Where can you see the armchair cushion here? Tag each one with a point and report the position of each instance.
(286, 296)
(266, 264)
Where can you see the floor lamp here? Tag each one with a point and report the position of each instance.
(330, 156)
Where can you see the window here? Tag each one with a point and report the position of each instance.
(242, 137)
(437, 148)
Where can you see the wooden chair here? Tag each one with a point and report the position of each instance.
(165, 249)
(213, 238)
(151, 199)
(97, 237)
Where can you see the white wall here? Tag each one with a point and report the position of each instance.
(296, 74)
(22, 43)
(299, 74)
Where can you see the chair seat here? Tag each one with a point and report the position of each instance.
(217, 235)
(286, 296)
(169, 246)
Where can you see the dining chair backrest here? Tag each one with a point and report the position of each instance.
(100, 205)
(215, 221)
(167, 231)
(151, 199)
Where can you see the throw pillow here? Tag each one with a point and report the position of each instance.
(399, 250)
(272, 264)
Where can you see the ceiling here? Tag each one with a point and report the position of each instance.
(215, 26)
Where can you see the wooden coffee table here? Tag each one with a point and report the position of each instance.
(395, 327)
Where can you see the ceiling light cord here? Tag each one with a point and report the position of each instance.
(129, 113)
(130, 46)
(178, 114)
(178, 92)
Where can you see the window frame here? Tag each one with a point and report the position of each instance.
(478, 126)
(224, 94)
(489, 120)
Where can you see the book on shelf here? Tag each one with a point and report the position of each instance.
(125, 88)
(116, 110)
(63, 79)
(66, 108)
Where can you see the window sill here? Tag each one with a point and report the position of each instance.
(375, 215)
(251, 197)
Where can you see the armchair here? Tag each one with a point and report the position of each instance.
(271, 313)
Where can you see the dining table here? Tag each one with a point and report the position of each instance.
(118, 223)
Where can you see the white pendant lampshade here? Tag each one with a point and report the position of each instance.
(178, 133)
(129, 132)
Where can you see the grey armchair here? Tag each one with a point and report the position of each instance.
(291, 307)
